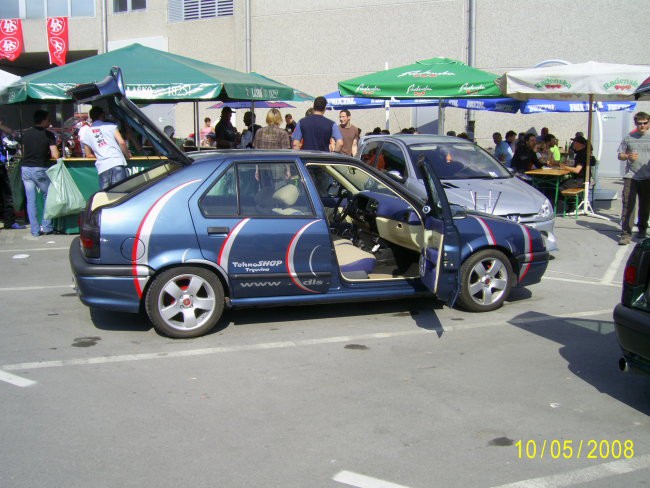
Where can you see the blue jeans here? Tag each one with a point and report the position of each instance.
(112, 176)
(33, 178)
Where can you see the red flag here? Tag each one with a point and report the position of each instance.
(11, 38)
(57, 39)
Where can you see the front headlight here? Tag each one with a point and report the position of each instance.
(546, 210)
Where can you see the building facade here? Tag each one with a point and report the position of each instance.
(312, 44)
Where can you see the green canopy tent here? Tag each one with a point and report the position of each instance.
(430, 78)
(151, 76)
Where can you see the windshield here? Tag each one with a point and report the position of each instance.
(458, 161)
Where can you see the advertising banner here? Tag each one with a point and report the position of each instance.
(11, 38)
(57, 39)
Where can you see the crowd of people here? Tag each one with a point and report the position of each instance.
(521, 152)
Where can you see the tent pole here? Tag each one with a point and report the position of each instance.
(441, 117)
(196, 124)
(586, 203)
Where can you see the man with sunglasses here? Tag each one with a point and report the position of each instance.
(635, 151)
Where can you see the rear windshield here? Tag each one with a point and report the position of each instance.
(145, 177)
(451, 161)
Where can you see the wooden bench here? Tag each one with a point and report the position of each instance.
(576, 194)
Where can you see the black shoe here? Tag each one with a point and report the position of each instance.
(641, 234)
(41, 233)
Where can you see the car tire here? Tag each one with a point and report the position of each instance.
(486, 279)
(185, 302)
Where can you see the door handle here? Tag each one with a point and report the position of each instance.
(218, 230)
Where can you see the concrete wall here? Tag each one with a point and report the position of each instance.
(312, 44)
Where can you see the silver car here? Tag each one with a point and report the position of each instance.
(471, 177)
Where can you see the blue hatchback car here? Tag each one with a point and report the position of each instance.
(214, 229)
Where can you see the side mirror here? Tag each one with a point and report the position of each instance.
(457, 211)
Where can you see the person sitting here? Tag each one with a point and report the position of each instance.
(525, 157)
(553, 151)
(580, 167)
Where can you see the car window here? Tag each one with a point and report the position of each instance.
(145, 177)
(257, 189)
(221, 198)
(452, 161)
(369, 152)
(391, 158)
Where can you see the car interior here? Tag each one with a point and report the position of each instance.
(376, 234)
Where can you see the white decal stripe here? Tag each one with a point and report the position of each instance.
(486, 230)
(150, 219)
(224, 254)
(290, 256)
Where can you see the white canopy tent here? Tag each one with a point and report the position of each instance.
(592, 81)
(7, 79)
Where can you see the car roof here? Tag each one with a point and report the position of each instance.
(413, 139)
(262, 153)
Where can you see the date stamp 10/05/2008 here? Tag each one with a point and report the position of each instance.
(575, 449)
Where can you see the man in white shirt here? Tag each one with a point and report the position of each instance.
(103, 141)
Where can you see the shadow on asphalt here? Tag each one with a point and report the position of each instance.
(591, 351)
(107, 320)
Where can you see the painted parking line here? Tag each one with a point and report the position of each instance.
(36, 249)
(584, 475)
(34, 288)
(612, 270)
(290, 344)
(15, 380)
(363, 481)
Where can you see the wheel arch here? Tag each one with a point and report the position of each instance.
(516, 268)
(219, 272)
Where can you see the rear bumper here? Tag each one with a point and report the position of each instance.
(633, 334)
(109, 287)
(532, 267)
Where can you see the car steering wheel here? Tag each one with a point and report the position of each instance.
(341, 194)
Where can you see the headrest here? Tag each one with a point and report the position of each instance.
(287, 195)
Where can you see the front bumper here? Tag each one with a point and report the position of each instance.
(633, 334)
(109, 287)
(532, 267)
(547, 229)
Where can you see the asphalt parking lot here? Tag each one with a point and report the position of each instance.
(387, 394)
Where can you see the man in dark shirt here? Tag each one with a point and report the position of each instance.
(6, 195)
(39, 145)
(525, 157)
(316, 130)
(579, 169)
(224, 130)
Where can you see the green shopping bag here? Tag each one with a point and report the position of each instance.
(63, 196)
(17, 187)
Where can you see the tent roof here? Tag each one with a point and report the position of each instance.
(151, 75)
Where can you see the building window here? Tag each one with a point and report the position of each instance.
(184, 10)
(128, 5)
(39, 9)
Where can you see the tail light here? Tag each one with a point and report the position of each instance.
(89, 233)
(629, 275)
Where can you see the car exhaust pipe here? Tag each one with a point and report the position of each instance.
(623, 365)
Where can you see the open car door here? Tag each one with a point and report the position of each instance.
(440, 258)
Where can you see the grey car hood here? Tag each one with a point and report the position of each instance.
(502, 196)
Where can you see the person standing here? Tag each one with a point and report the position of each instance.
(103, 141)
(272, 136)
(315, 130)
(205, 130)
(7, 208)
(502, 149)
(349, 132)
(635, 151)
(224, 131)
(290, 124)
(39, 146)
